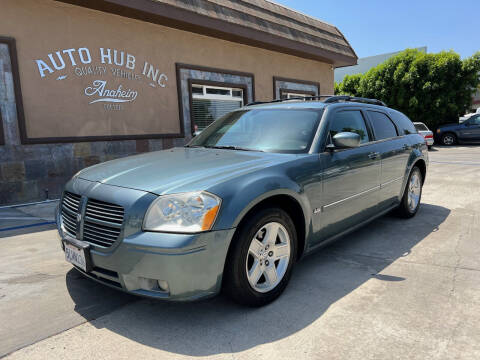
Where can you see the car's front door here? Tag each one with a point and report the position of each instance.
(350, 177)
(471, 129)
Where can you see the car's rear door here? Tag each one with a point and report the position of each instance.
(350, 177)
(394, 153)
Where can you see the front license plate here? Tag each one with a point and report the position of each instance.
(76, 256)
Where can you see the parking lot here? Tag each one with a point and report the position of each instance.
(396, 289)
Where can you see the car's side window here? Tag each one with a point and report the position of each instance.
(404, 124)
(383, 127)
(350, 121)
(475, 120)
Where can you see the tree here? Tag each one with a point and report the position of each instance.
(431, 88)
(349, 85)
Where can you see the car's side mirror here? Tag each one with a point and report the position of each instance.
(345, 140)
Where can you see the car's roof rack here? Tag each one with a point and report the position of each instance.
(338, 98)
(290, 99)
(329, 99)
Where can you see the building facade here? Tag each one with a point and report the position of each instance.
(82, 82)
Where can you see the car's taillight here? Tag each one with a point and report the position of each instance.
(429, 136)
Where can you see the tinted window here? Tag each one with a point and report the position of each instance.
(350, 121)
(382, 126)
(421, 127)
(271, 130)
(404, 124)
(474, 120)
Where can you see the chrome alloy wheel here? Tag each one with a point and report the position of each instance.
(414, 190)
(268, 257)
(448, 139)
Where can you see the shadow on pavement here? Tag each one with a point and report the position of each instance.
(219, 326)
(93, 299)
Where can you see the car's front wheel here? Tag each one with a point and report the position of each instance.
(412, 194)
(448, 139)
(260, 261)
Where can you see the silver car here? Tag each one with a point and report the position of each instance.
(241, 203)
(425, 132)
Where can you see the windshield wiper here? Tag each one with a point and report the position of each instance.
(231, 147)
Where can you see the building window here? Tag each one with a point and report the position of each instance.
(289, 94)
(212, 102)
(284, 88)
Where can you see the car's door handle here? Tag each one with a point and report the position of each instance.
(373, 155)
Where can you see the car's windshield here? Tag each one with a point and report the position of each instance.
(421, 127)
(270, 130)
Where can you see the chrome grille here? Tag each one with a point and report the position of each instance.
(103, 222)
(70, 209)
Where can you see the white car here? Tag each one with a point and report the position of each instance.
(425, 132)
(462, 119)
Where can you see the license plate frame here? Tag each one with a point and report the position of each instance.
(78, 253)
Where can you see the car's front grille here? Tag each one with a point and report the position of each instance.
(70, 209)
(102, 222)
(104, 211)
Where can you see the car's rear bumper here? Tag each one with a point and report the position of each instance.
(190, 264)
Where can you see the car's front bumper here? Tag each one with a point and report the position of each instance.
(190, 265)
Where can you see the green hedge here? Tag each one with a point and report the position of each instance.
(431, 88)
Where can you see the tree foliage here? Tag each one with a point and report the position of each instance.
(349, 85)
(431, 88)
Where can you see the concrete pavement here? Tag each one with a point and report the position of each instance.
(396, 289)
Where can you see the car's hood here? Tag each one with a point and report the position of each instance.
(180, 169)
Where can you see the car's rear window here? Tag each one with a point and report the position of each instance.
(421, 127)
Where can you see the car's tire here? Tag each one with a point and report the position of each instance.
(429, 147)
(255, 274)
(412, 194)
(449, 139)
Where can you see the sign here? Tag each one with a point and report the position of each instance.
(96, 68)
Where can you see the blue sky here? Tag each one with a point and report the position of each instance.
(374, 27)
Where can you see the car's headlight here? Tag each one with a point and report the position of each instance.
(184, 213)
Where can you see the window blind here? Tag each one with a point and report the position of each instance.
(205, 111)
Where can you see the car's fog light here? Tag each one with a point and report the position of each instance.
(147, 284)
(163, 285)
(153, 284)
(133, 283)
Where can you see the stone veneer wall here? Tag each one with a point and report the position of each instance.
(28, 172)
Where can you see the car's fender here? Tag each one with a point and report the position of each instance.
(419, 152)
(252, 190)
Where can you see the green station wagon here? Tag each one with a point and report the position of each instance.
(235, 209)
